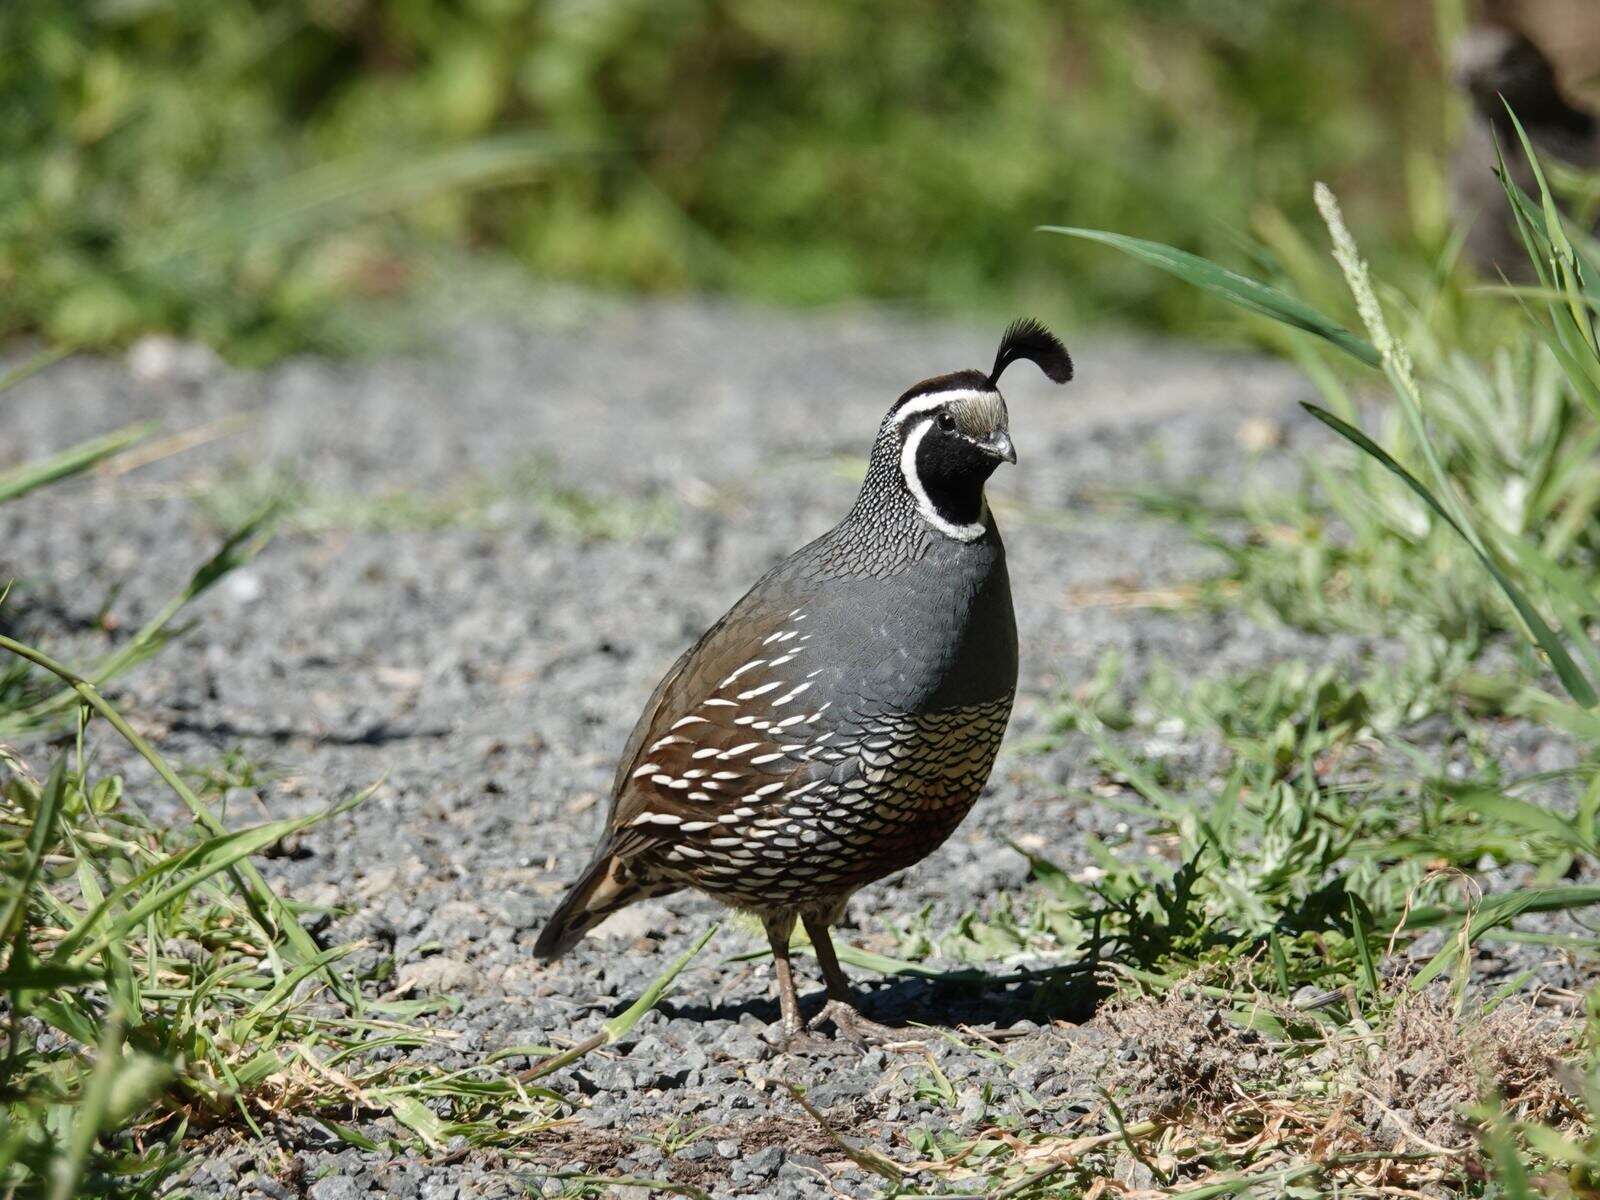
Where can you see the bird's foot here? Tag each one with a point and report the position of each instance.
(863, 1032)
(790, 1034)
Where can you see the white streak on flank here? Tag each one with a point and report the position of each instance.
(764, 758)
(728, 819)
(645, 770)
(688, 851)
(800, 616)
(726, 775)
(780, 636)
(745, 720)
(908, 471)
(656, 819)
(696, 826)
(705, 753)
(738, 750)
(768, 789)
(795, 612)
(790, 748)
(744, 810)
(749, 666)
(700, 796)
(801, 791)
(679, 785)
(760, 724)
(669, 740)
(788, 721)
(762, 690)
(711, 787)
(690, 720)
(789, 657)
(661, 780)
(815, 673)
(716, 703)
(790, 695)
(726, 841)
(694, 773)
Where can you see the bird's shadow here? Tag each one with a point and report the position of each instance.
(942, 999)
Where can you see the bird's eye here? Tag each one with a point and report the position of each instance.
(946, 422)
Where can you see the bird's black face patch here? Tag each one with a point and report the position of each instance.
(952, 469)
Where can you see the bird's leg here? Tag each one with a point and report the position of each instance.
(840, 1008)
(778, 931)
(832, 973)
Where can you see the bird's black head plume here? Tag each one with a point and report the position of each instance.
(1026, 338)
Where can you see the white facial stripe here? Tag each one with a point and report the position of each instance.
(908, 469)
(933, 400)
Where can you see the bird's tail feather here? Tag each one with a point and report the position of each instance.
(606, 885)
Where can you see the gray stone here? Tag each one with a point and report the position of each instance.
(765, 1162)
(335, 1187)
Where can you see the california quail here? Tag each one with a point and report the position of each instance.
(1498, 66)
(839, 722)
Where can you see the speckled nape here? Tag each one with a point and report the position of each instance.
(882, 535)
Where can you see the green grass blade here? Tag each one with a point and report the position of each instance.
(72, 461)
(193, 866)
(624, 1021)
(1358, 927)
(27, 370)
(1531, 818)
(419, 1118)
(16, 977)
(285, 987)
(1532, 292)
(1564, 256)
(1280, 965)
(267, 906)
(620, 1024)
(1571, 676)
(90, 1114)
(1500, 910)
(1533, 900)
(1512, 1171)
(1238, 289)
(242, 545)
(39, 835)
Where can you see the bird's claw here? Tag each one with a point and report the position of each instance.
(858, 1029)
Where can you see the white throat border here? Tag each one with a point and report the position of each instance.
(908, 470)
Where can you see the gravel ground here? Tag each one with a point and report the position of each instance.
(445, 624)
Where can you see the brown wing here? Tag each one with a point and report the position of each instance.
(737, 718)
(647, 719)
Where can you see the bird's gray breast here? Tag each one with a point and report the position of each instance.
(939, 634)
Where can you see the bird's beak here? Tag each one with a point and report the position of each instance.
(999, 445)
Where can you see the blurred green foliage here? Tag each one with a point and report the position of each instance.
(234, 169)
